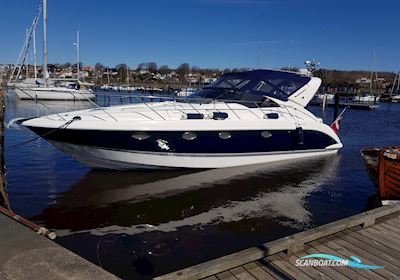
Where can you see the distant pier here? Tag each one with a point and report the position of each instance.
(349, 104)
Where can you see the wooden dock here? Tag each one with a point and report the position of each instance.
(373, 237)
(360, 105)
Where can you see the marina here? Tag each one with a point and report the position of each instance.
(156, 140)
(122, 211)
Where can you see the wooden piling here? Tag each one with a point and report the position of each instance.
(336, 108)
(3, 192)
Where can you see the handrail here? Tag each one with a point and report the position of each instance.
(152, 109)
(143, 99)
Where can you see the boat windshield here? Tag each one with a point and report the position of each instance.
(253, 86)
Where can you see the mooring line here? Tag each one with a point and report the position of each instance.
(64, 125)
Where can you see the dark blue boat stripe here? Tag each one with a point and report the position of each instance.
(205, 142)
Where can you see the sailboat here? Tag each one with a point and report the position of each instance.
(394, 96)
(370, 97)
(45, 91)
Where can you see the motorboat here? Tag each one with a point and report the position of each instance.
(243, 118)
(186, 91)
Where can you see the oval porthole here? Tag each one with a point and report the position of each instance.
(141, 135)
(189, 136)
(224, 135)
(266, 134)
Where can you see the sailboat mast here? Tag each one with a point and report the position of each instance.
(127, 75)
(27, 55)
(398, 81)
(372, 71)
(34, 52)
(45, 42)
(77, 54)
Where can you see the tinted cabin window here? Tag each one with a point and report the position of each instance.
(258, 83)
(277, 86)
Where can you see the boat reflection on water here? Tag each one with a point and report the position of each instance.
(137, 202)
(141, 224)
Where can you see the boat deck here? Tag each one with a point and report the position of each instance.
(373, 237)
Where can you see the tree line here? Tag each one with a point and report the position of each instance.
(328, 76)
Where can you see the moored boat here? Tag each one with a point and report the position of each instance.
(366, 97)
(53, 93)
(35, 90)
(243, 118)
(383, 165)
(389, 173)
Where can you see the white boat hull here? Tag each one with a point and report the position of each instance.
(367, 99)
(41, 94)
(100, 158)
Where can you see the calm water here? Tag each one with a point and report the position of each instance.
(141, 224)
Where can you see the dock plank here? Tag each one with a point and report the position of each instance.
(378, 243)
(313, 272)
(352, 272)
(310, 271)
(328, 272)
(393, 240)
(380, 239)
(394, 222)
(336, 247)
(380, 252)
(389, 270)
(259, 273)
(280, 261)
(211, 278)
(272, 269)
(390, 227)
(388, 231)
(242, 274)
(226, 275)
